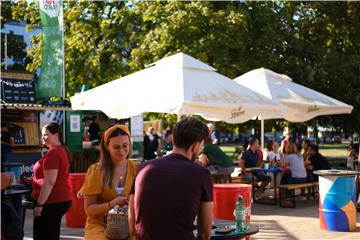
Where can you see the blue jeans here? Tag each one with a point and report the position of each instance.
(288, 179)
(215, 169)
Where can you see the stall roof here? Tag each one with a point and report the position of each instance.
(33, 106)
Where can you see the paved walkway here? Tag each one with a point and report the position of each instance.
(299, 223)
(274, 223)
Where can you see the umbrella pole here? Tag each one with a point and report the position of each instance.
(262, 133)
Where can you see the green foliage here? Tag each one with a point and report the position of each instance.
(5, 12)
(97, 45)
(168, 119)
(315, 43)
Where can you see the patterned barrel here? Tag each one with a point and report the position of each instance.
(337, 207)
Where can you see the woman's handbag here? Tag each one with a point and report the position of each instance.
(117, 226)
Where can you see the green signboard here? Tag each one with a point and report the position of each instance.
(74, 131)
(51, 74)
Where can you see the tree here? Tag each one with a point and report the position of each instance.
(97, 40)
(315, 43)
(5, 12)
(326, 48)
(226, 35)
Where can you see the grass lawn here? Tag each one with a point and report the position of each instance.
(335, 153)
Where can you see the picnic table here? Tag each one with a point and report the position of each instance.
(275, 171)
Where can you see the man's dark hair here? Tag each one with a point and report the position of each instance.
(252, 141)
(356, 148)
(307, 142)
(269, 145)
(314, 147)
(207, 141)
(189, 131)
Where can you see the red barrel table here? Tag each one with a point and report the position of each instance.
(225, 196)
(76, 216)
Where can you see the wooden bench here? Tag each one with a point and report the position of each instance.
(292, 187)
(238, 179)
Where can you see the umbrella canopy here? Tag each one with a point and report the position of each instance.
(177, 84)
(299, 103)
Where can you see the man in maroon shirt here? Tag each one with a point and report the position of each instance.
(169, 192)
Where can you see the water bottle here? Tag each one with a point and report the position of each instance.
(239, 214)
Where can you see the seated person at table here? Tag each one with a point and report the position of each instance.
(249, 159)
(278, 155)
(353, 153)
(316, 161)
(295, 163)
(306, 147)
(216, 161)
(268, 154)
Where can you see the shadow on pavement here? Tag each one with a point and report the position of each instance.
(304, 208)
(270, 229)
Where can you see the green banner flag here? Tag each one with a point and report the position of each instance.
(51, 73)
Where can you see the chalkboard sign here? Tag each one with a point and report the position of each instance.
(17, 91)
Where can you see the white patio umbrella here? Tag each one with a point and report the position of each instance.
(177, 84)
(297, 103)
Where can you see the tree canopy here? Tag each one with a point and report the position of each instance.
(315, 43)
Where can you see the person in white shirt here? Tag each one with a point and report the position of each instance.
(295, 163)
(267, 152)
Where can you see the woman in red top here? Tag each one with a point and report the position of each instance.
(51, 190)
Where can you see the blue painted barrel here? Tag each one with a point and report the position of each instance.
(337, 207)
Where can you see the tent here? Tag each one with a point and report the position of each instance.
(178, 84)
(297, 103)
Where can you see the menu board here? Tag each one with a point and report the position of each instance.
(17, 91)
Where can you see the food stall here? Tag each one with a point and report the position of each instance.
(23, 117)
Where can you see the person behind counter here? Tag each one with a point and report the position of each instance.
(51, 190)
(94, 130)
(108, 182)
(152, 144)
(7, 143)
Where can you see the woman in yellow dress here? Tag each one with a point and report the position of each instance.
(108, 182)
